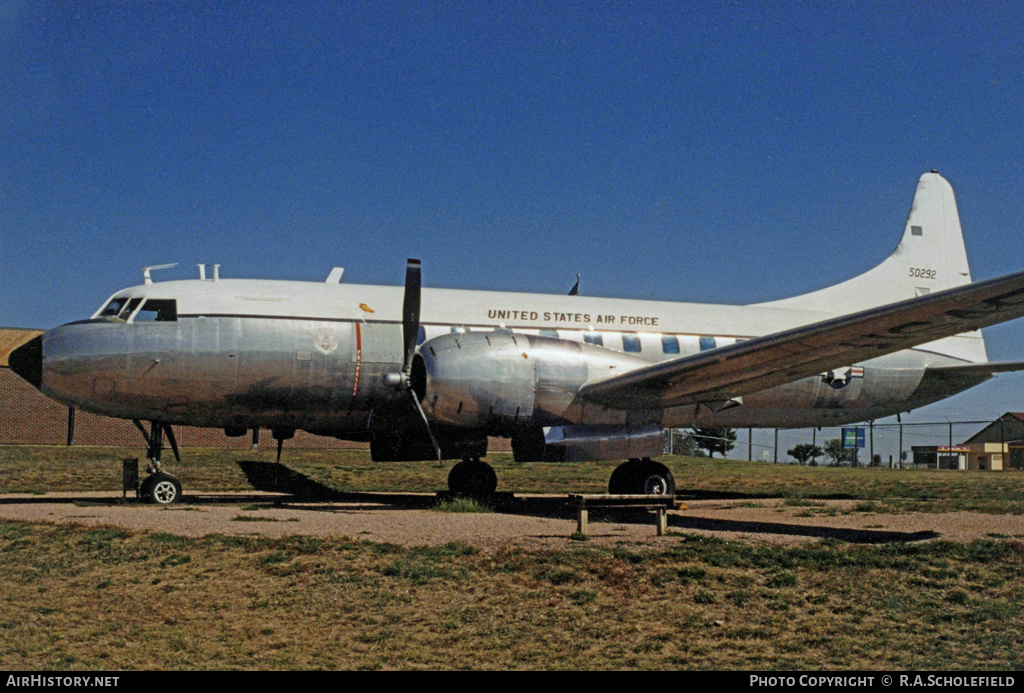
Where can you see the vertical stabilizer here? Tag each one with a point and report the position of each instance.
(930, 257)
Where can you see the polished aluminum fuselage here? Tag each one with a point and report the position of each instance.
(312, 356)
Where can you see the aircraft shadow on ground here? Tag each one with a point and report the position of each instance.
(295, 487)
(275, 477)
(853, 536)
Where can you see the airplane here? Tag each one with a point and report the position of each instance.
(565, 377)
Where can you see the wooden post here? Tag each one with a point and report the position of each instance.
(581, 519)
(662, 521)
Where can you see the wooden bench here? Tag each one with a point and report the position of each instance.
(660, 505)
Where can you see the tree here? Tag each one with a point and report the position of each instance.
(683, 444)
(835, 451)
(804, 452)
(714, 439)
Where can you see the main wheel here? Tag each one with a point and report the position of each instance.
(656, 479)
(160, 488)
(642, 476)
(623, 478)
(472, 479)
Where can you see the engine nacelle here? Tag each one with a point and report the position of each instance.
(501, 381)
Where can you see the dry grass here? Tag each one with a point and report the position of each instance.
(106, 599)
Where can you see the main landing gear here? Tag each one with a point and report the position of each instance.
(472, 478)
(642, 476)
(159, 487)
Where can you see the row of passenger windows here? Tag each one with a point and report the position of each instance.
(631, 342)
(153, 310)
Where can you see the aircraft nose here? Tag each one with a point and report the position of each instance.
(27, 361)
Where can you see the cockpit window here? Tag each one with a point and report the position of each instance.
(113, 308)
(129, 308)
(158, 310)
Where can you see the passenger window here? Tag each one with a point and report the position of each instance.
(549, 333)
(631, 343)
(158, 310)
(669, 344)
(593, 338)
(707, 343)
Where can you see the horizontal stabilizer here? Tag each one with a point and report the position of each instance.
(990, 368)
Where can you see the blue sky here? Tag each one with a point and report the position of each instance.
(706, 151)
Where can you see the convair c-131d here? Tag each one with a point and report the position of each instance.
(565, 377)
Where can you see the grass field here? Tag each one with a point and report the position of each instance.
(76, 598)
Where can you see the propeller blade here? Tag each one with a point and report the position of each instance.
(411, 311)
(410, 333)
(433, 440)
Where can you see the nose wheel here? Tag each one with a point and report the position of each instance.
(159, 487)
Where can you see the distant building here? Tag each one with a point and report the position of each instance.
(997, 447)
(1000, 445)
(941, 456)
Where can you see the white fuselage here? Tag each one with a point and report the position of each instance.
(309, 355)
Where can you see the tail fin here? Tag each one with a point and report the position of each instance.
(930, 257)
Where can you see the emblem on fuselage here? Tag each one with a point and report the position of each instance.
(841, 377)
(326, 340)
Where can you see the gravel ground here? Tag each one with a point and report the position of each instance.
(535, 520)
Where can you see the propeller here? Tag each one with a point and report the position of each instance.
(410, 333)
(411, 312)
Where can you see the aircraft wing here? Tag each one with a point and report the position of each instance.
(722, 374)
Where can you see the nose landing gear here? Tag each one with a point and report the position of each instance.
(159, 487)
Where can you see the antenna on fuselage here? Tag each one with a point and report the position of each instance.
(202, 272)
(575, 290)
(146, 270)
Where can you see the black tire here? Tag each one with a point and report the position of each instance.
(623, 478)
(472, 479)
(656, 479)
(643, 477)
(160, 489)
